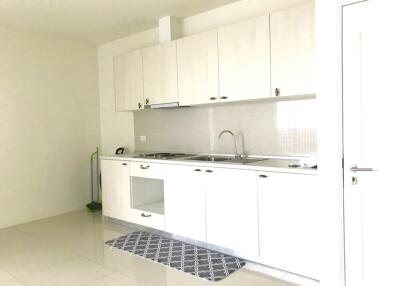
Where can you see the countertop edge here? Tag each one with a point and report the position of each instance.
(251, 167)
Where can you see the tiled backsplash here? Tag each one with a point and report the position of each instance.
(265, 127)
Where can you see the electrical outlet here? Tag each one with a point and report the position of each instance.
(143, 138)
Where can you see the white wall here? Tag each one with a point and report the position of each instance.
(49, 125)
(117, 128)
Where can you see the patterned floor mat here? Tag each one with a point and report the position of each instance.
(197, 261)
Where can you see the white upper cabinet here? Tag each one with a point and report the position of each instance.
(272, 55)
(293, 51)
(116, 189)
(244, 60)
(231, 210)
(198, 69)
(128, 81)
(160, 74)
(184, 195)
(288, 214)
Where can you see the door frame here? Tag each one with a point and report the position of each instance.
(330, 137)
(345, 249)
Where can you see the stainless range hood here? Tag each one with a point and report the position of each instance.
(162, 105)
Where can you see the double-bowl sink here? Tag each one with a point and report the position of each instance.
(224, 159)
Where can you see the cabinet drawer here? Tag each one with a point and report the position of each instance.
(148, 219)
(146, 170)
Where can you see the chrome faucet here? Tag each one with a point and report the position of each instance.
(237, 155)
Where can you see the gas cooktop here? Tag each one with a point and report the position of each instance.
(164, 156)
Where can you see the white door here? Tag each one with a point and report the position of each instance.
(288, 214)
(198, 69)
(244, 66)
(160, 77)
(128, 80)
(293, 51)
(231, 210)
(184, 201)
(116, 189)
(371, 143)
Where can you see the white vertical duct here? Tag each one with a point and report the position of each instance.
(169, 28)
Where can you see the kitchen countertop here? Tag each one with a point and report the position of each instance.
(269, 164)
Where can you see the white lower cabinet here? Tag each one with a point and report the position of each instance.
(146, 170)
(147, 194)
(231, 210)
(268, 217)
(215, 205)
(148, 218)
(184, 194)
(288, 217)
(116, 189)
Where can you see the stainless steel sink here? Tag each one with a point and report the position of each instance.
(225, 159)
(209, 158)
(244, 160)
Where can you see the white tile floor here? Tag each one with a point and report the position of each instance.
(69, 250)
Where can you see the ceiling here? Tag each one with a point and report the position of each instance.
(96, 21)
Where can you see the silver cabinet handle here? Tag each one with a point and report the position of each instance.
(197, 170)
(263, 176)
(213, 98)
(145, 215)
(124, 164)
(139, 105)
(147, 101)
(224, 97)
(209, 171)
(277, 92)
(144, 167)
(354, 168)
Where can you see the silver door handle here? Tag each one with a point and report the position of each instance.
(354, 168)
(144, 167)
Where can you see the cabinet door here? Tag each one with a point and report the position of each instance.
(293, 51)
(244, 65)
(116, 188)
(231, 210)
(160, 74)
(288, 222)
(184, 196)
(198, 69)
(128, 79)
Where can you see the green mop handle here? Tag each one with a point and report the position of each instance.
(91, 170)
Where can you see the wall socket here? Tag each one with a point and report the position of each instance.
(143, 138)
